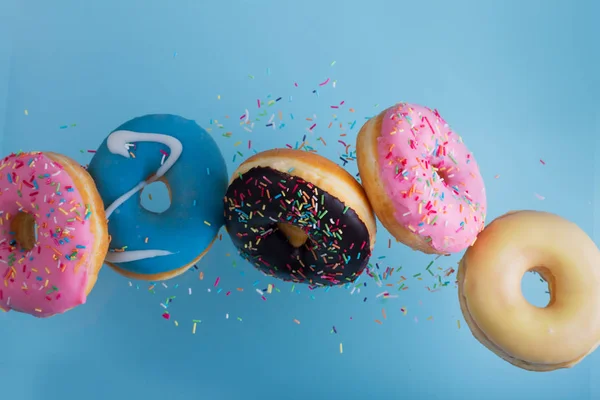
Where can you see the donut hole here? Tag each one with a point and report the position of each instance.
(156, 197)
(295, 235)
(443, 174)
(535, 287)
(24, 230)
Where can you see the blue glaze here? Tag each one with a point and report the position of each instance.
(197, 182)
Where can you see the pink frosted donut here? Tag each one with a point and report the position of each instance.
(53, 234)
(421, 179)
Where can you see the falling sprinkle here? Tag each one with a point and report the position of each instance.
(296, 321)
(539, 196)
(26, 112)
(542, 161)
(458, 323)
(341, 348)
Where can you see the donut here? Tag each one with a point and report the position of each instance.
(421, 180)
(53, 234)
(299, 217)
(176, 151)
(534, 338)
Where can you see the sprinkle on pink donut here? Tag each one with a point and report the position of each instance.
(52, 277)
(431, 178)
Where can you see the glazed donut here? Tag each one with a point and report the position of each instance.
(53, 234)
(421, 180)
(299, 217)
(182, 155)
(489, 281)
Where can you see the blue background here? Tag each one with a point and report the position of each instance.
(517, 79)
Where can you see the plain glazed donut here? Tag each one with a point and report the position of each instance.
(421, 180)
(489, 281)
(168, 148)
(300, 217)
(53, 234)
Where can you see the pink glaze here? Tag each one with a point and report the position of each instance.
(52, 277)
(416, 146)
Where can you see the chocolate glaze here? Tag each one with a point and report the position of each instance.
(338, 245)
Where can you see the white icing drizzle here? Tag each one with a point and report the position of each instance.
(134, 255)
(117, 143)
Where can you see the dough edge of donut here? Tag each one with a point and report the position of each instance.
(98, 224)
(479, 334)
(368, 166)
(348, 190)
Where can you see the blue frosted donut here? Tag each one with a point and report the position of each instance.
(178, 152)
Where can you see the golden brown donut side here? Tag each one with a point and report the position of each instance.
(368, 166)
(322, 173)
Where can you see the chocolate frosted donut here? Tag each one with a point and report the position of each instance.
(299, 217)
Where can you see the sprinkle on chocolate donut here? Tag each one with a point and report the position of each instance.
(337, 247)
